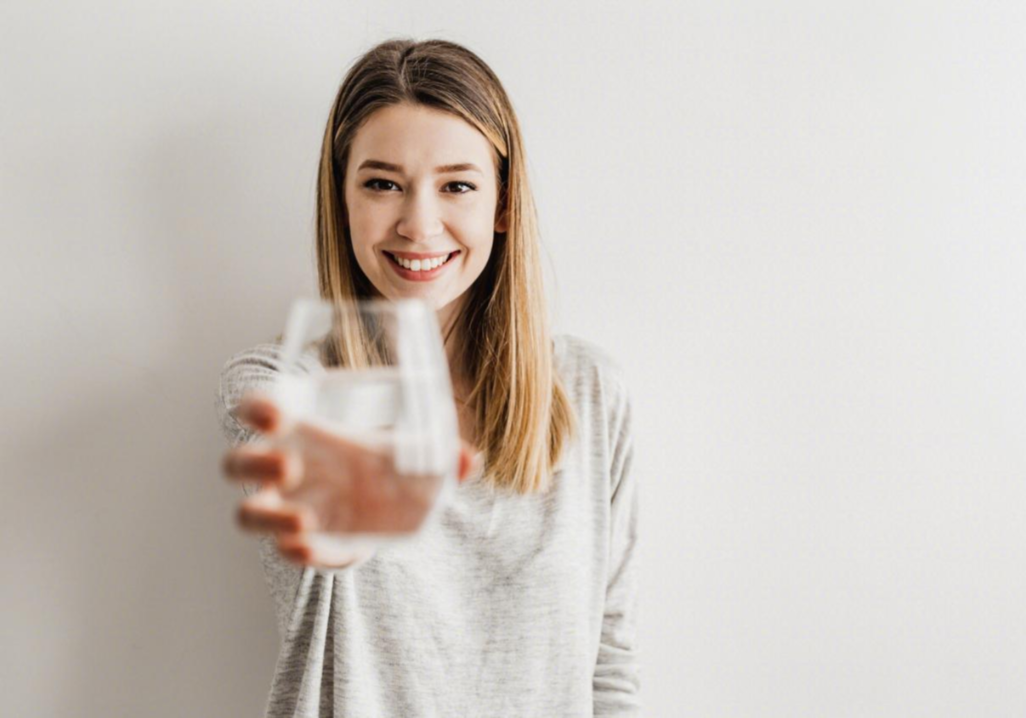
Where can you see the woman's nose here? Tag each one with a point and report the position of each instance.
(421, 219)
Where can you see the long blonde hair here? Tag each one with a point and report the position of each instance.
(523, 412)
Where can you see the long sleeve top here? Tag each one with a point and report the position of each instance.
(506, 605)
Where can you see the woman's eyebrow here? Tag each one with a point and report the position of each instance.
(389, 167)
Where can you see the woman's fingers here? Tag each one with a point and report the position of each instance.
(258, 411)
(295, 551)
(265, 511)
(283, 469)
(322, 482)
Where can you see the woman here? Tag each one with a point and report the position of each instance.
(520, 600)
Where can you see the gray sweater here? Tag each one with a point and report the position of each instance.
(508, 605)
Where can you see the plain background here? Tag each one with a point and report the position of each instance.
(798, 226)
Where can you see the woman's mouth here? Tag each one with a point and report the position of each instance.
(420, 270)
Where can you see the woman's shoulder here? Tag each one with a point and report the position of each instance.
(595, 382)
(582, 361)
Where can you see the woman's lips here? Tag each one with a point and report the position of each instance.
(419, 276)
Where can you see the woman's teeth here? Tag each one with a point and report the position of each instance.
(420, 265)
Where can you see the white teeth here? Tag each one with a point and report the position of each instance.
(421, 265)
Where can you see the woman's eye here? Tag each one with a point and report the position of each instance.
(373, 184)
(384, 185)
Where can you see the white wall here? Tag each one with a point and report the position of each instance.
(799, 226)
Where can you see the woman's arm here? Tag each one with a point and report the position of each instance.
(616, 683)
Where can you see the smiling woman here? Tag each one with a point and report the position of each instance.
(521, 599)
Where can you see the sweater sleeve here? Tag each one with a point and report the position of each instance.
(255, 370)
(616, 680)
(251, 370)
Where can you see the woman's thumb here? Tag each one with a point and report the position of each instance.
(468, 461)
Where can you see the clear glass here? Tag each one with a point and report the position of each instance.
(365, 387)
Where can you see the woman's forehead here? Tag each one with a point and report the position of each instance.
(418, 138)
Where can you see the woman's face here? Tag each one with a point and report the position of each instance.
(421, 186)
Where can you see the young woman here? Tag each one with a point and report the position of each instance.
(520, 600)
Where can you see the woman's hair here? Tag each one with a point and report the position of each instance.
(524, 414)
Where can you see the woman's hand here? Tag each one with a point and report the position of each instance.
(324, 482)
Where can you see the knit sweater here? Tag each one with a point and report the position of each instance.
(506, 605)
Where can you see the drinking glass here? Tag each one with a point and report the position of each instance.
(366, 392)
